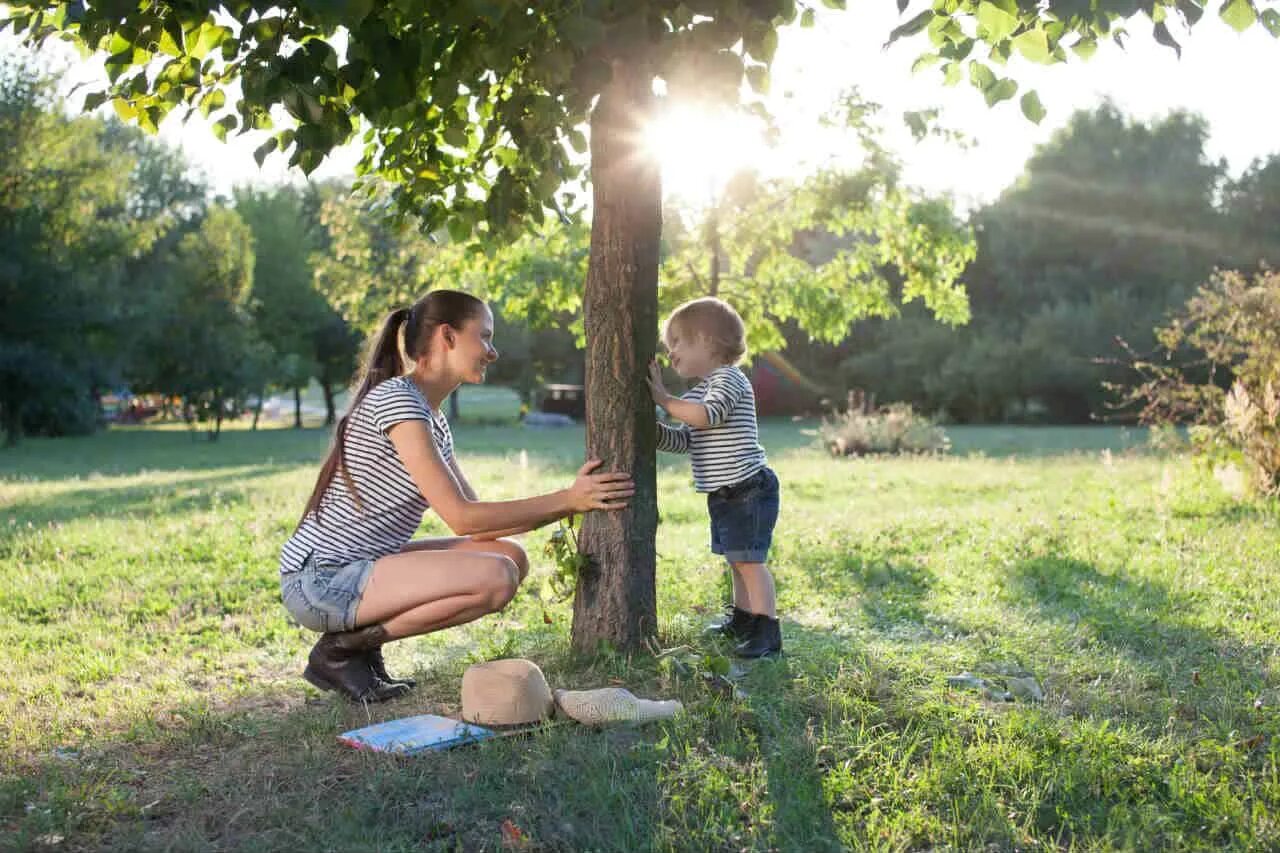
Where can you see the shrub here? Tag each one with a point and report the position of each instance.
(892, 429)
(1218, 368)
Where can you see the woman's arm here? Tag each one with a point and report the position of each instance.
(469, 492)
(466, 516)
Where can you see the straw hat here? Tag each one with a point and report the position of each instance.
(506, 693)
(613, 705)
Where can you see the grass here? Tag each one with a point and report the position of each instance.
(152, 698)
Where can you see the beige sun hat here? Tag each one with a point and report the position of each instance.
(506, 693)
(613, 705)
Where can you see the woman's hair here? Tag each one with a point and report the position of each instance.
(384, 361)
(713, 318)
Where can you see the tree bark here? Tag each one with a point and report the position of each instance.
(297, 408)
(616, 599)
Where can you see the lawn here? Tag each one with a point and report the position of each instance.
(153, 698)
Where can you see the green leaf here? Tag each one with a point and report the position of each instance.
(981, 76)
(1191, 11)
(93, 100)
(168, 44)
(953, 73)
(456, 136)
(1164, 37)
(998, 23)
(807, 18)
(214, 100)
(1271, 20)
(1238, 14)
(833, 4)
(924, 61)
(1032, 108)
(124, 109)
(758, 77)
(209, 37)
(1085, 48)
(459, 229)
(913, 26)
(1034, 45)
(260, 153)
(308, 161)
(224, 125)
(1001, 90)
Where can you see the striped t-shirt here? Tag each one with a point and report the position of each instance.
(391, 506)
(728, 451)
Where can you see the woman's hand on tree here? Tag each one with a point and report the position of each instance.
(606, 490)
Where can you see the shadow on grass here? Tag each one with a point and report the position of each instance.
(262, 770)
(125, 452)
(1140, 617)
(198, 492)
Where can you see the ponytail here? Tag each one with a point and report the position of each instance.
(384, 362)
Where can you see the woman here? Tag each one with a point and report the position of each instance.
(349, 570)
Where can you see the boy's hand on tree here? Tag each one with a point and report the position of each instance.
(608, 491)
(659, 391)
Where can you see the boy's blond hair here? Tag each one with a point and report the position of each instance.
(713, 318)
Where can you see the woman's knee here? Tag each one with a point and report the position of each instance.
(515, 552)
(502, 578)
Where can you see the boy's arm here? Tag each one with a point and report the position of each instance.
(725, 388)
(694, 414)
(673, 439)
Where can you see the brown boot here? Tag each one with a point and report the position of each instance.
(338, 662)
(379, 667)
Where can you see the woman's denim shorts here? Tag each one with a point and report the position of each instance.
(325, 598)
(743, 516)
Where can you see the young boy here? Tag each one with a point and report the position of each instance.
(705, 339)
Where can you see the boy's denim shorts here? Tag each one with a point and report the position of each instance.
(325, 598)
(743, 516)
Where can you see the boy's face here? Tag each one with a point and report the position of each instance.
(691, 354)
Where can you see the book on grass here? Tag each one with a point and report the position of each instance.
(409, 735)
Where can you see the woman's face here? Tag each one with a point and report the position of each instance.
(473, 348)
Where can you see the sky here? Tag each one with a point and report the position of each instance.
(1224, 76)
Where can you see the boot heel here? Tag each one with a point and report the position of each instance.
(317, 680)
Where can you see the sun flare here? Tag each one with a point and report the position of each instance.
(700, 149)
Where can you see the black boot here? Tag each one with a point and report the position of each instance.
(379, 667)
(338, 662)
(763, 638)
(734, 625)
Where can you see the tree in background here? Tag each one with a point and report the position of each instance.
(471, 110)
(308, 336)
(61, 237)
(1252, 208)
(202, 344)
(1112, 224)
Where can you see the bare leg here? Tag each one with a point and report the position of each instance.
(437, 585)
(757, 583)
(741, 599)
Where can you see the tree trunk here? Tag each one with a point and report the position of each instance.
(616, 599)
(217, 416)
(297, 408)
(12, 423)
(330, 410)
(257, 410)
